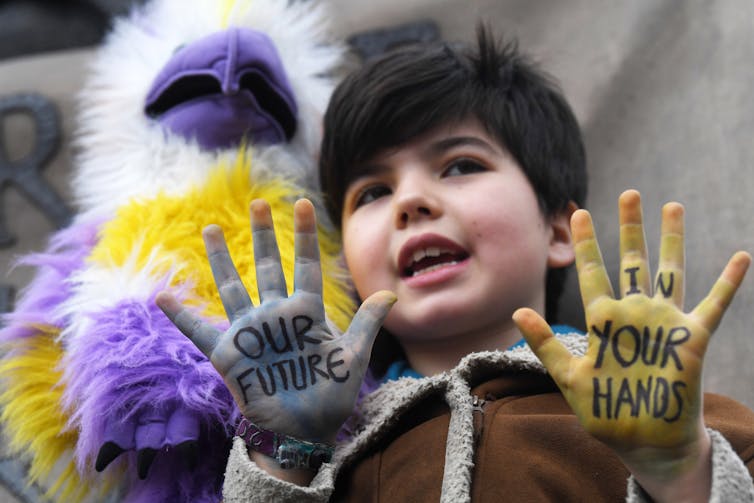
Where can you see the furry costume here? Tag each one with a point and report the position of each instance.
(165, 149)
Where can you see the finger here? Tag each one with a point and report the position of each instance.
(366, 323)
(669, 283)
(202, 334)
(308, 271)
(594, 282)
(634, 266)
(554, 356)
(710, 310)
(233, 294)
(270, 278)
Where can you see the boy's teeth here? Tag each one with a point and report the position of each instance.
(428, 252)
(433, 268)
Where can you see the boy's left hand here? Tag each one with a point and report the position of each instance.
(638, 387)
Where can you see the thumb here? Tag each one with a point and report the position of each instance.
(554, 356)
(366, 323)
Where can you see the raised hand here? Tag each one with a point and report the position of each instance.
(285, 369)
(638, 387)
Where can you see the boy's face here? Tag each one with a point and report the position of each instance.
(450, 223)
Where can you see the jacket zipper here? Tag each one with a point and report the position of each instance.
(477, 412)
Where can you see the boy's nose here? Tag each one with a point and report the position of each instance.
(415, 205)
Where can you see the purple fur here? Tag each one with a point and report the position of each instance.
(132, 360)
(65, 254)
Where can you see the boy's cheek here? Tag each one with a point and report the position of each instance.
(365, 275)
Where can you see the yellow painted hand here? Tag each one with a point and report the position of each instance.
(638, 387)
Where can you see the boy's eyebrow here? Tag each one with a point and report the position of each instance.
(367, 169)
(432, 150)
(445, 144)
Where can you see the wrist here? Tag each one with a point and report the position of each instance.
(288, 452)
(298, 476)
(687, 477)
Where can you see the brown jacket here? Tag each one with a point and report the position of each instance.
(529, 447)
(493, 429)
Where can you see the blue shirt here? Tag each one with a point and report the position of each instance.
(401, 368)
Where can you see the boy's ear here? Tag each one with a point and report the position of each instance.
(561, 245)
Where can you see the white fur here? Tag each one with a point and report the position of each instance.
(122, 155)
(100, 287)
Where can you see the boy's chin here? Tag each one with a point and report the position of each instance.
(442, 325)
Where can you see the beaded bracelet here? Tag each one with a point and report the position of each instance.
(289, 452)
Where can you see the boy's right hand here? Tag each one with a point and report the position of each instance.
(285, 369)
(638, 388)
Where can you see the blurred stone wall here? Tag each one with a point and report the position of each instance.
(36, 26)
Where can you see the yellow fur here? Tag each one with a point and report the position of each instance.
(34, 421)
(164, 235)
(230, 7)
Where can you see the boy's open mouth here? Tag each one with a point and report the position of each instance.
(431, 258)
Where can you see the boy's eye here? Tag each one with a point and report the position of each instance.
(371, 193)
(463, 167)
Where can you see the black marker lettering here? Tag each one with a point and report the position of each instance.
(240, 378)
(301, 325)
(272, 389)
(642, 395)
(677, 393)
(628, 344)
(313, 369)
(645, 345)
(667, 291)
(624, 396)
(332, 364)
(607, 396)
(281, 370)
(256, 334)
(294, 373)
(634, 284)
(616, 345)
(292, 366)
(298, 373)
(660, 400)
(286, 346)
(604, 337)
(665, 397)
(669, 349)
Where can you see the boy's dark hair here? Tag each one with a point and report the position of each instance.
(411, 90)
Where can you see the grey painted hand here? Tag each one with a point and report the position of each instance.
(287, 372)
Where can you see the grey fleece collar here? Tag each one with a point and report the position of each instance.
(382, 408)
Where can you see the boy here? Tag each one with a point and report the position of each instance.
(454, 177)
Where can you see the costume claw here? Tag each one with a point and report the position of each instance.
(144, 460)
(107, 454)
